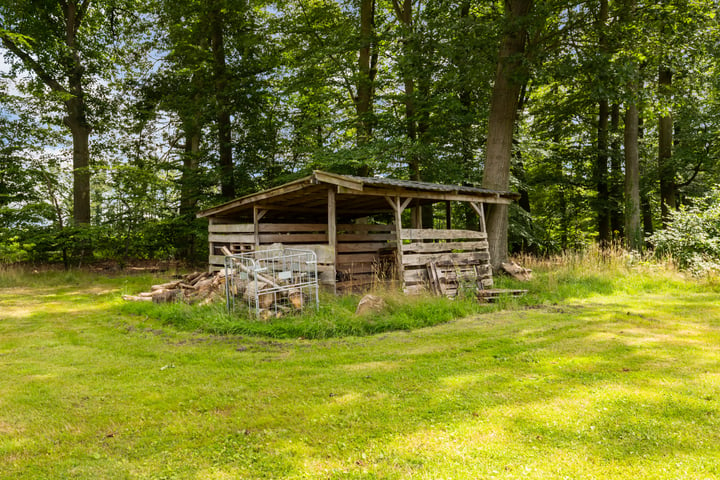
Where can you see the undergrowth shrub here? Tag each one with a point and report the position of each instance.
(692, 236)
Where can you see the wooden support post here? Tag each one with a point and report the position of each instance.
(332, 231)
(210, 245)
(448, 215)
(258, 214)
(398, 208)
(416, 216)
(480, 210)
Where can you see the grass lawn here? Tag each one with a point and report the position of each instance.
(617, 376)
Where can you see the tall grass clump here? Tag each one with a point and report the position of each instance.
(334, 318)
(595, 271)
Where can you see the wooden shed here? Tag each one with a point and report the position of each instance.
(329, 213)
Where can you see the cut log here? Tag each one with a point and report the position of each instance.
(136, 298)
(200, 278)
(165, 296)
(166, 286)
(264, 299)
(260, 277)
(297, 299)
(516, 271)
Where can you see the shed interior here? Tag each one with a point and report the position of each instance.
(353, 224)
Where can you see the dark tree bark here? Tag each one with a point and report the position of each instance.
(600, 173)
(367, 69)
(222, 99)
(617, 220)
(666, 168)
(509, 78)
(633, 231)
(76, 118)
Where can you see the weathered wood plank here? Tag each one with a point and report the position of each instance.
(450, 258)
(415, 275)
(360, 247)
(231, 238)
(292, 227)
(349, 272)
(293, 238)
(364, 227)
(416, 289)
(218, 260)
(356, 258)
(427, 234)
(231, 228)
(362, 237)
(437, 247)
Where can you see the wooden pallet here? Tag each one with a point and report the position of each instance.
(492, 294)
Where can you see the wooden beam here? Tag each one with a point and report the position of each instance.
(210, 245)
(456, 235)
(332, 224)
(505, 198)
(339, 180)
(416, 217)
(448, 215)
(257, 215)
(480, 210)
(398, 209)
(249, 200)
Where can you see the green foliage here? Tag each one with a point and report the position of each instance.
(692, 235)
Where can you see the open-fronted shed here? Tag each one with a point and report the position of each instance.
(328, 213)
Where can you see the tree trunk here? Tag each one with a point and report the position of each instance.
(217, 42)
(633, 231)
(81, 164)
(602, 202)
(616, 176)
(503, 110)
(76, 120)
(367, 61)
(189, 191)
(666, 169)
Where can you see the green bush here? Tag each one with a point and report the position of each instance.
(692, 236)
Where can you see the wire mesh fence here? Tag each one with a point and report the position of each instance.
(273, 282)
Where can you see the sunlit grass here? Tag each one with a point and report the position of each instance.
(596, 373)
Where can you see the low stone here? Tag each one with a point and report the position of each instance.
(369, 304)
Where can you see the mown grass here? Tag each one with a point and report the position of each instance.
(600, 372)
(574, 275)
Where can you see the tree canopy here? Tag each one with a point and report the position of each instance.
(121, 119)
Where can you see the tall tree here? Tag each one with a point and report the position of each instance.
(216, 14)
(601, 179)
(511, 69)
(633, 228)
(64, 45)
(366, 72)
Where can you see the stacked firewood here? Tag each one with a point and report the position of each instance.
(197, 287)
(203, 288)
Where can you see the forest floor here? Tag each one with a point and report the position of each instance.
(619, 383)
